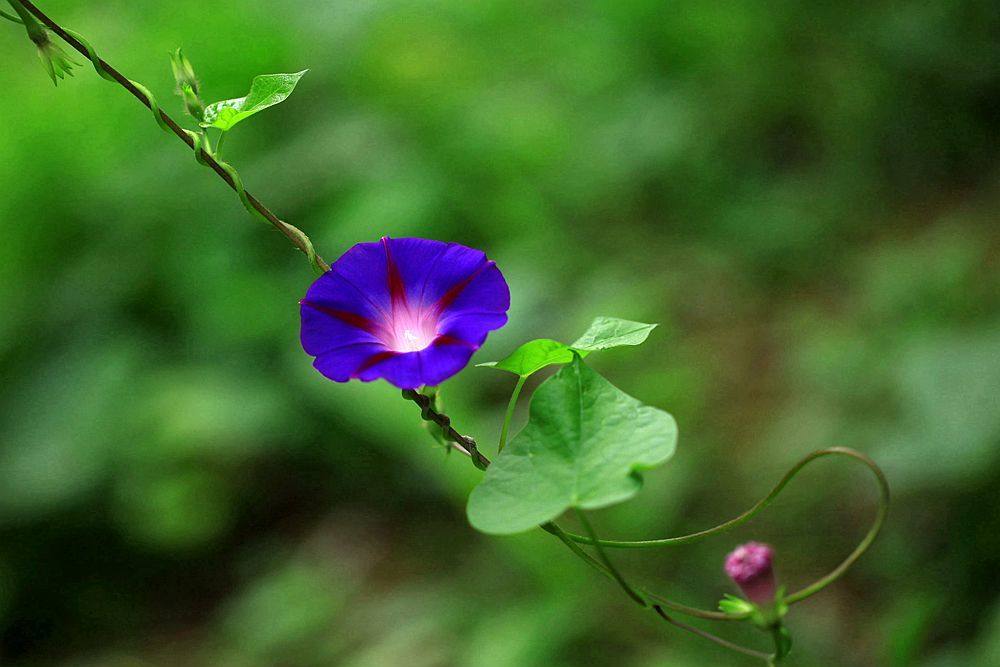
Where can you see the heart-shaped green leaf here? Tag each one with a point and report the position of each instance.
(605, 332)
(266, 90)
(533, 356)
(583, 446)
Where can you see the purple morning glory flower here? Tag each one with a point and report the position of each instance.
(411, 311)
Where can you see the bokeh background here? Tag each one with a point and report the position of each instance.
(804, 195)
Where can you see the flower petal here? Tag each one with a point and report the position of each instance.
(450, 275)
(430, 366)
(364, 268)
(485, 292)
(343, 363)
(471, 328)
(334, 314)
(412, 260)
(444, 359)
(402, 369)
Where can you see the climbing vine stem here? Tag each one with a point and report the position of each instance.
(642, 595)
(194, 140)
(818, 585)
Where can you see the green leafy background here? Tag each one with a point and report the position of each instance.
(803, 195)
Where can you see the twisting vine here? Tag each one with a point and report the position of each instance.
(815, 587)
(28, 13)
(643, 596)
(463, 443)
(195, 140)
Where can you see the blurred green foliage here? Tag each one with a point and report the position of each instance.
(804, 195)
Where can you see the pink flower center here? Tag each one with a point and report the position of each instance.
(409, 331)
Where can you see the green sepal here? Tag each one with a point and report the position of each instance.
(767, 617)
(735, 606)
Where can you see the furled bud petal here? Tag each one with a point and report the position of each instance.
(187, 84)
(749, 565)
(183, 71)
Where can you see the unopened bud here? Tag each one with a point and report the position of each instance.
(183, 71)
(749, 565)
(187, 84)
(192, 103)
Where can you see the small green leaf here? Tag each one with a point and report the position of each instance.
(583, 447)
(266, 90)
(533, 356)
(735, 606)
(605, 332)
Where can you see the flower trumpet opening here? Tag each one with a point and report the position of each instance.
(410, 332)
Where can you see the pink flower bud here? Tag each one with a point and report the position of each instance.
(749, 565)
